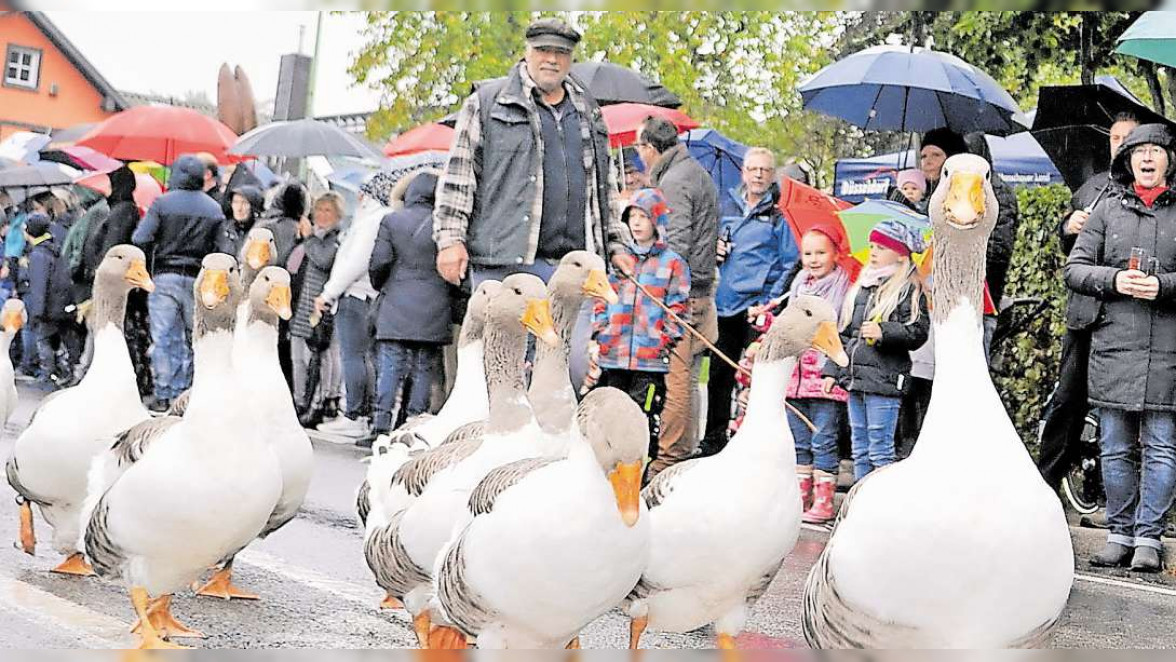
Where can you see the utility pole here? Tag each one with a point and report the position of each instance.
(318, 40)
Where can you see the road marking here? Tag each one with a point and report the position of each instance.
(92, 629)
(1132, 586)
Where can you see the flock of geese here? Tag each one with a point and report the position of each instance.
(515, 517)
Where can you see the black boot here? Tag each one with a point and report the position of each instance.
(311, 419)
(1113, 555)
(330, 409)
(1147, 559)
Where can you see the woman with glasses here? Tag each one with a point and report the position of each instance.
(1125, 257)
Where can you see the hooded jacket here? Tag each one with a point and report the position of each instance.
(635, 333)
(693, 228)
(758, 267)
(414, 302)
(233, 234)
(1133, 341)
(119, 224)
(282, 219)
(49, 290)
(182, 225)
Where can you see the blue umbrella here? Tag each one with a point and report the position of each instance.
(897, 88)
(719, 155)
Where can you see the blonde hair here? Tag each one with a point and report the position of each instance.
(888, 296)
(332, 198)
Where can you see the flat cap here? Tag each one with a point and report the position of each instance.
(552, 33)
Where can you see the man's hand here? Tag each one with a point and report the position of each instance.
(625, 263)
(1077, 221)
(755, 311)
(722, 250)
(320, 304)
(872, 331)
(827, 385)
(452, 263)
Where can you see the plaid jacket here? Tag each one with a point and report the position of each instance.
(635, 333)
(458, 191)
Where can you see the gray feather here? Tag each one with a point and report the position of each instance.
(502, 479)
(363, 502)
(466, 609)
(180, 404)
(389, 561)
(105, 555)
(130, 445)
(659, 489)
(416, 474)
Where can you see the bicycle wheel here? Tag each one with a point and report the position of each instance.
(1083, 486)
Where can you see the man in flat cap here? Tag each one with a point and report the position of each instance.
(528, 178)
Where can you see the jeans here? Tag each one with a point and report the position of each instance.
(872, 419)
(170, 309)
(1138, 497)
(817, 448)
(419, 362)
(351, 327)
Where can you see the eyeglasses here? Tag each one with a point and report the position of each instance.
(1147, 150)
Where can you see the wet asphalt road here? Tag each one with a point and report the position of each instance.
(317, 592)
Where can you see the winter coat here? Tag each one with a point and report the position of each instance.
(282, 219)
(74, 250)
(49, 290)
(1082, 310)
(117, 228)
(635, 333)
(414, 300)
(233, 234)
(757, 269)
(882, 368)
(1133, 341)
(182, 225)
(315, 268)
(694, 214)
(350, 274)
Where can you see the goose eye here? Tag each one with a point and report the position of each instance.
(808, 313)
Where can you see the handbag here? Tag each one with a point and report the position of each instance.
(320, 333)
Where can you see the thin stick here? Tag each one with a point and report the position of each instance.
(709, 345)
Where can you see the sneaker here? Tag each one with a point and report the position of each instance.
(346, 427)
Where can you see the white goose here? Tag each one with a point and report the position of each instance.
(13, 317)
(962, 545)
(553, 543)
(722, 525)
(51, 458)
(401, 554)
(205, 488)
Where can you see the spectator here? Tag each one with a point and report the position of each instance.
(756, 253)
(1132, 378)
(413, 309)
(314, 348)
(544, 190)
(180, 228)
(1061, 425)
(692, 233)
(635, 177)
(883, 319)
(635, 336)
(47, 299)
(912, 187)
(74, 248)
(212, 183)
(285, 219)
(245, 205)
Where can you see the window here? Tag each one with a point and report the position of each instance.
(22, 67)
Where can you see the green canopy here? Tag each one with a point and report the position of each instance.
(1152, 37)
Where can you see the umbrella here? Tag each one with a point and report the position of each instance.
(1073, 124)
(806, 207)
(70, 134)
(431, 137)
(146, 188)
(159, 133)
(300, 138)
(611, 83)
(1151, 37)
(82, 158)
(623, 120)
(897, 88)
(37, 174)
(23, 146)
(861, 219)
(718, 155)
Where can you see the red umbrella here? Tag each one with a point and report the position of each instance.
(431, 137)
(623, 120)
(160, 134)
(147, 189)
(806, 207)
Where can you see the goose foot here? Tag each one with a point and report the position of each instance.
(421, 624)
(74, 565)
(159, 611)
(446, 639)
(391, 602)
(636, 629)
(220, 585)
(150, 637)
(726, 643)
(28, 538)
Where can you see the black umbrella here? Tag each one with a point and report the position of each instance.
(1073, 123)
(611, 83)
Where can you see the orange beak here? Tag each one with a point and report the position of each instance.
(626, 484)
(278, 300)
(12, 321)
(137, 276)
(965, 199)
(538, 321)
(597, 286)
(214, 288)
(828, 341)
(257, 254)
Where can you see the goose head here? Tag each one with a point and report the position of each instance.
(269, 295)
(807, 323)
(217, 291)
(124, 267)
(581, 274)
(522, 301)
(474, 324)
(618, 432)
(259, 250)
(964, 201)
(13, 316)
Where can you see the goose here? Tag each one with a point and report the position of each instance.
(204, 488)
(13, 317)
(721, 526)
(401, 553)
(552, 543)
(51, 458)
(925, 553)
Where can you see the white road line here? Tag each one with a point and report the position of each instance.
(1131, 586)
(92, 629)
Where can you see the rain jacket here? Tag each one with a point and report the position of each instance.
(1082, 310)
(119, 224)
(1133, 341)
(764, 252)
(693, 228)
(182, 225)
(635, 333)
(49, 284)
(233, 234)
(282, 219)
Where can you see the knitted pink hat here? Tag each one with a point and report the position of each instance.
(912, 176)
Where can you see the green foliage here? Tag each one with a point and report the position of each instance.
(1029, 361)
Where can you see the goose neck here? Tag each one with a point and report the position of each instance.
(765, 405)
(505, 352)
(959, 272)
(110, 305)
